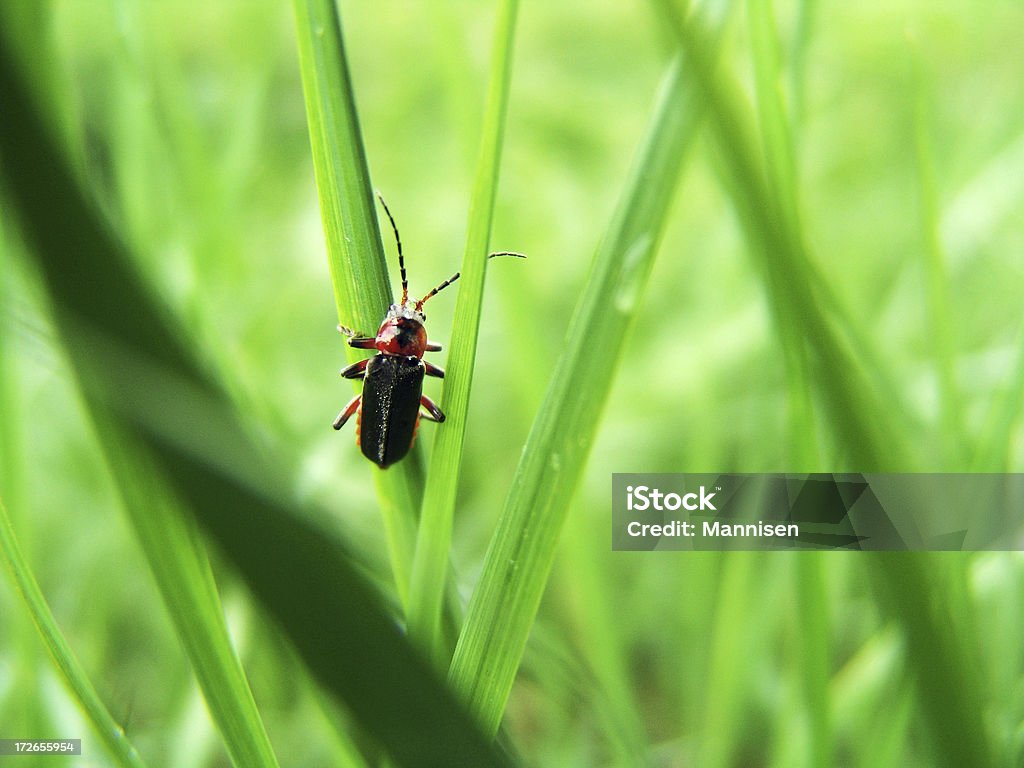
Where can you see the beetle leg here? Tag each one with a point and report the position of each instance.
(433, 370)
(433, 412)
(356, 370)
(346, 414)
(358, 340)
(432, 346)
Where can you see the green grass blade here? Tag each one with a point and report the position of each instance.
(921, 591)
(355, 254)
(178, 559)
(522, 548)
(354, 250)
(777, 138)
(795, 286)
(798, 294)
(306, 581)
(70, 669)
(995, 446)
(813, 652)
(435, 532)
(143, 382)
(766, 196)
(781, 191)
(607, 642)
(941, 330)
(778, 144)
(728, 664)
(176, 556)
(777, 141)
(27, 718)
(806, 14)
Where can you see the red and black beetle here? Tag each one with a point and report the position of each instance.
(388, 409)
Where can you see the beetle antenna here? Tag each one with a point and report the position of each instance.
(401, 258)
(437, 290)
(453, 278)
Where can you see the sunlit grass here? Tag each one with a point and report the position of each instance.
(359, 275)
(836, 289)
(519, 558)
(435, 532)
(109, 732)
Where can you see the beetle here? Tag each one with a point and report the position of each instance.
(388, 409)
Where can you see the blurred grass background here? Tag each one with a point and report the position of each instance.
(188, 124)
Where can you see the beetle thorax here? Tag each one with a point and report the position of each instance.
(402, 332)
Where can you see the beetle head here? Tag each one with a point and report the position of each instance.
(402, 332)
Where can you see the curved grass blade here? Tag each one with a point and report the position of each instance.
(435, 532)
(726, 665)
(519, 558)
(781, 172)
(814, 649)
(151, 396)
(996, 445)
(942, 333)
(778, 143)
(607, 650)
(43, 190)
(68, 667)
(806, 14)
(791, 281)
(951, 694)
(355, 254)
(920, 590)
(28, 716)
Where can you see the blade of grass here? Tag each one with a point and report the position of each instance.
(941, 331)
(139, 377)
(430, 565)
(776, 136)
(177, 557)
(68, 667)
(175, 554)
(306, 581)
(951, 693)
(875, 674)
(605, 642)
(781, 170)
(27, 717)
(813, 652)
(355, 254)
(519, 558)
(803, 302)
(889, 738)
(782, 259)
(728, 665)
(921, 591)
(778, 145)
(995, 451)
(798, 64)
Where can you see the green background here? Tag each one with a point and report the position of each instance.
(187, 124)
